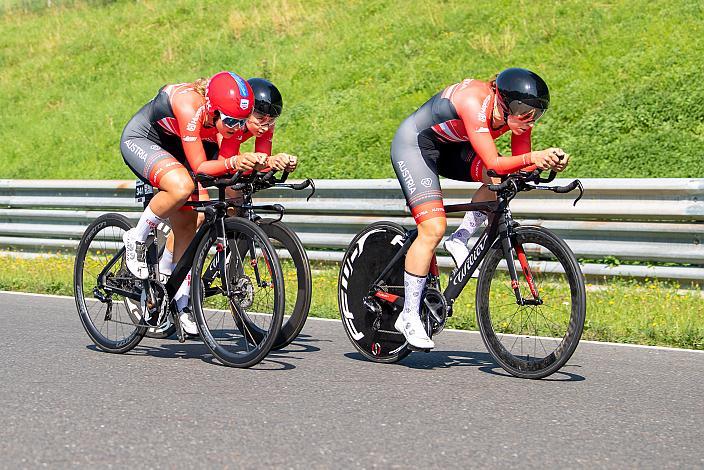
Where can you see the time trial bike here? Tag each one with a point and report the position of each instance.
(530, 294)
(234, 270)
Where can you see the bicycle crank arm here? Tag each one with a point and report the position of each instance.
(391, 298)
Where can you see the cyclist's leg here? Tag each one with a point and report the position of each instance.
(414, 156)
(168, 261)
(156, 166)
(460, 162)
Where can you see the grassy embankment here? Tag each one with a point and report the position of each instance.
(626, 99)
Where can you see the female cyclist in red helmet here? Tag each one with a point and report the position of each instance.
(174, 133)
(453, 135)
(268, 105)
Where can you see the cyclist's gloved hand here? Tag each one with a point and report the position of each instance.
(564, 161)
(292, 162)
(547, 159)
(249, 161)
(278, 162)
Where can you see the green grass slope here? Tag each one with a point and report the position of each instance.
(625, 76)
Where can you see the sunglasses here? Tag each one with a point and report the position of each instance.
(232, 123)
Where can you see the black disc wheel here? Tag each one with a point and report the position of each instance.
(535, 339)
(101, 281)
(297, 276)
(239, 328)
(369, 321)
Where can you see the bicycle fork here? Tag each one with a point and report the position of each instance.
(527, 273)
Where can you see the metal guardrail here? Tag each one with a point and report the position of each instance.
(646, 220)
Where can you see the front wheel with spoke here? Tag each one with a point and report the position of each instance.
(101, 284)
(534, 337)
(240, 326)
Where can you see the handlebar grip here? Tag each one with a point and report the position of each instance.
(567, 188)
(284, 177)
(302, 185)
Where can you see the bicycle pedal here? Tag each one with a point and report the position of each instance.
(413, 348)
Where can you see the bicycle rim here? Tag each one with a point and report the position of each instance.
(109, 322)
(532, 341)
(240, 330)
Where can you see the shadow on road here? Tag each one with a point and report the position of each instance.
(193, 348)
(482, 360)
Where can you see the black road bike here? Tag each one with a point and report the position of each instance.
(237, 287)
(530, 294)
(288, 246)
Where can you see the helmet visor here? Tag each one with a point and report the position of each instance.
(269, 109)
(231, 122)
(521, 110)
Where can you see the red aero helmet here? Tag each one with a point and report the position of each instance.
(230, 94)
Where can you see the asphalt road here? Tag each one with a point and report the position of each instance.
(318, 404)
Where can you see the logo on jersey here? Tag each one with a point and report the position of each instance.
(190, 138)
(191, 126)
(244, 104)
(139, 151)
(481, 115)
(427, 182)
(407, 178)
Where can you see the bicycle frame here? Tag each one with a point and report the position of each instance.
(214, 214)
(499, 227)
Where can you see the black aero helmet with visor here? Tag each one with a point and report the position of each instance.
(521, 92)
(267, 98)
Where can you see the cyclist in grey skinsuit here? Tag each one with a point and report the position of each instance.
(453, 135)
(416, 152)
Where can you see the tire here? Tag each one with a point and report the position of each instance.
(299, 291)
(369, 253)
(109, 324)
(242, 335)
(532, 341)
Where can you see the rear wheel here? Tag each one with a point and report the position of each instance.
(369, 322)
(532, 341)
(105, 314)
(297, 276)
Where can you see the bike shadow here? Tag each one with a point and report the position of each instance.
(194, 348)
(481, 360)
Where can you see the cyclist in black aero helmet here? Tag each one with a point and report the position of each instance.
(267, 98)
(453, 135)
(522, 93)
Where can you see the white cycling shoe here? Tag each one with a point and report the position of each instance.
(187, 323)
(135, 254)
(412, 328)
(457, 250)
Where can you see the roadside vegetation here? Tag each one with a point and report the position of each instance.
(626, 100)
(625, 311)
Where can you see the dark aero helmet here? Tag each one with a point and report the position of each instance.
(522, 91)
(267, 98)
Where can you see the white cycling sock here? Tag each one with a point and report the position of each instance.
(166, 263)
(147, 221)
(413, 288)
(183, 293)
(472, 220)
